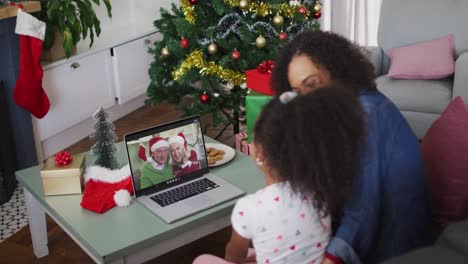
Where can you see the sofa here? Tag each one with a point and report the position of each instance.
(405, 22)
(451, 247)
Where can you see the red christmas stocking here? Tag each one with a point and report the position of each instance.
(28, 92)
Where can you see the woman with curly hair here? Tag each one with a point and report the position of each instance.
(388, 212)
(289, 220)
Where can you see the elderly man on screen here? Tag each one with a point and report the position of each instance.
(157, 168)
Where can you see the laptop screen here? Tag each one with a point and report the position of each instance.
(166, 155)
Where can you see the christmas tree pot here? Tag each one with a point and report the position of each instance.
(56, 52)
(63, 179)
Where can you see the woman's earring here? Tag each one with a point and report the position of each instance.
(259, 162)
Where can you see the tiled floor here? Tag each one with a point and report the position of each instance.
(13, 214)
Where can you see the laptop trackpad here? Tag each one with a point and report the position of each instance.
(199, 201)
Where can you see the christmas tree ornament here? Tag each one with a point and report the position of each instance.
(244, 4)
(235, 55)
(216, 95)
(283, 35)
(302, 10)
(317, 15)
(212, 48)
(278, 20)
(260, 42)
(193, 2)
(204, 98)
(28, 92)
(184, 43)
(317, 7)
(165, 52)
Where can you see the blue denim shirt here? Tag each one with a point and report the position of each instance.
(388, 213)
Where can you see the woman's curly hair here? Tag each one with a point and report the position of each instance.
(344, 61)
(314, 143)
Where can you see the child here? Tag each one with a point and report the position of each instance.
(308, 149)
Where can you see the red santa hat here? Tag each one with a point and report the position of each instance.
(154, 144)
(180, 138)
(105, 188)
(157, 142)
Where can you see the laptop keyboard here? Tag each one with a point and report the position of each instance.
(183, 192)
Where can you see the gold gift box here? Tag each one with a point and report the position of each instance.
(66, 179)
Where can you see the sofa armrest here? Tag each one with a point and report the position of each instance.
(374, 55)
(460, 83)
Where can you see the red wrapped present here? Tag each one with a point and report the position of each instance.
(259, 79)
(242, 136)
(246, 147)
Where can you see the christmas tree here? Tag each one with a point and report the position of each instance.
(208, 45)
(104, 149)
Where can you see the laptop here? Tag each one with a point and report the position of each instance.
(170, 170)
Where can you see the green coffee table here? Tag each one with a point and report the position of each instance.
(132, 234)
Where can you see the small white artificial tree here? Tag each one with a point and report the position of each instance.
(104, 149)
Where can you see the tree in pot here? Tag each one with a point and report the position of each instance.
(71, 20)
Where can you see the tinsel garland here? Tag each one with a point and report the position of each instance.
(195, 60)
(189, 11)
(228, 24)
(264, 9)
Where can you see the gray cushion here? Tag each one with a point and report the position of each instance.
(428, 96)
(405, 22)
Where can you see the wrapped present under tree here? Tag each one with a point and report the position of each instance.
(254, 103)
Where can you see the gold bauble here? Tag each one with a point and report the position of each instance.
(260, 42)
(165, 52)
(278, 20)
(243, 4)
(212, 48)
(317, 7)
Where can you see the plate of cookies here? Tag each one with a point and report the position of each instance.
(218, 154)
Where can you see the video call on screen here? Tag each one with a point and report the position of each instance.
(164, 157)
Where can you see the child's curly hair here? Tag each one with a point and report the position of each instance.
(314, 143)
(344, 61)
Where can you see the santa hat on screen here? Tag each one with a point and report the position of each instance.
(154, 144)
(179, 138)
(105, 188)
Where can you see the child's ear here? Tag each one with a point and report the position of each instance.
(257, 151)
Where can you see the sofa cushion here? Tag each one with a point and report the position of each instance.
(427, 96)
(426, 60)
(444, 150)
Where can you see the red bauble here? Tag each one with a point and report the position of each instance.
(302, 10)
(283, 35)
(204, 98)
(317, 15)
(193, 2)
(184, 43)
(235, 55)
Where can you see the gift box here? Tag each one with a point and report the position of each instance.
(246, 147)
(63, 179)
(242, 136)
(259, 79)
(254, 103)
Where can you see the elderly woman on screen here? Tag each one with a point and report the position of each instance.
(184, 161)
